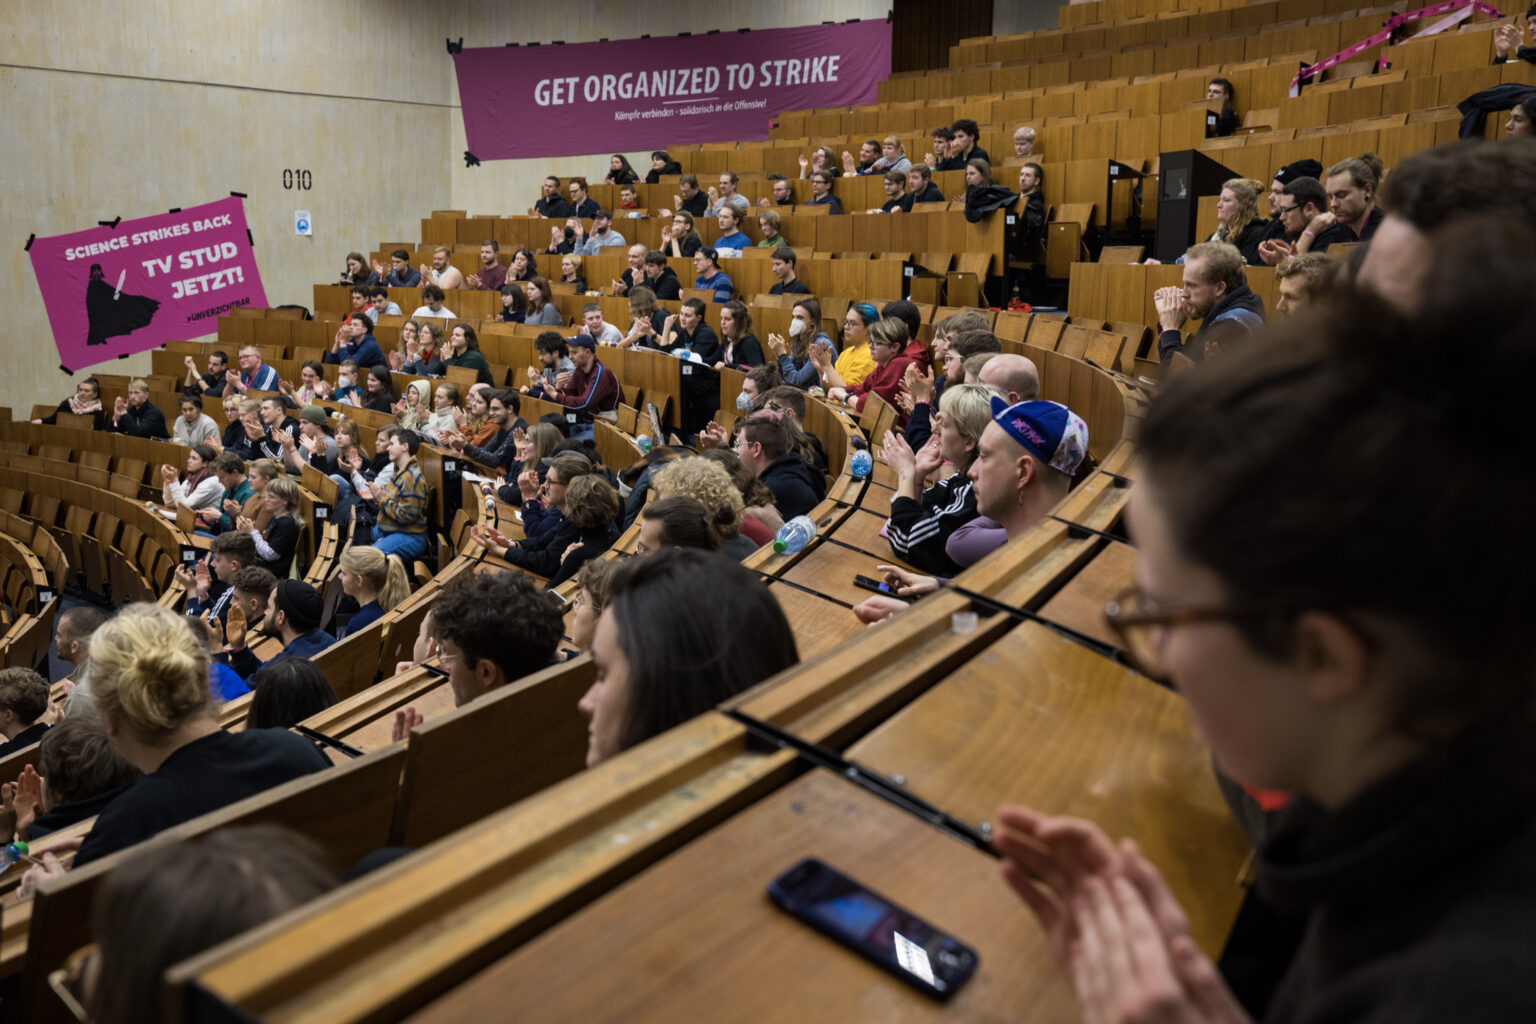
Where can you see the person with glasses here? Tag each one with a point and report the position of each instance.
(1331, 647)
(887, 339)
(1298, 203)
(855, 361)
(1301, 202)
(1023, 467)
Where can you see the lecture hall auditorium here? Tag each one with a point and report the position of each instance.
(1227, 720)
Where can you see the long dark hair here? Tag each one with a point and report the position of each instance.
(696, 629)
(286, 692)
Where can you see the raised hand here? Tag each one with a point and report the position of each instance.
(119, 406)
(805, 162)
(918, 382)
(896, 452)
(203, 579)
(848, 164)
(929, 458)
(713, 436)
(190, 363)
(528, 484)
(378, 268)
(396, 359)
(168, 474)
(28, 800)
(234, 627)
(406, 719)
(777, 345)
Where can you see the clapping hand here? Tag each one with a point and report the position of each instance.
(805, 162)
(245, 524)
(396, 359)
(234, 627)
(119, 406)
(918, 382)
(231, 507)
(713, 436)
(528, 484)
(378, 268)
(203, 578)
(897, 454)
(168, 474)
(848, 164)
(406, 719)
(777, 345)
(190, 363)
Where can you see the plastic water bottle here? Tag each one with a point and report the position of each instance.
(643, 442)
(16, 851)
(794, 535)
(861, 463)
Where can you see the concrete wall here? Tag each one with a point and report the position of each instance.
(130, 109)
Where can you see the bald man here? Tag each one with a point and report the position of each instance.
(1014, 375)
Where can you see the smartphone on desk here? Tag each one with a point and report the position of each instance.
(879, 587)
(891, 937)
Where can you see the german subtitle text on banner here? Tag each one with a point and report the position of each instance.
(112, 291)
(642, 94)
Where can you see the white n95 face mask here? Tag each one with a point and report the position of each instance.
(796, 328)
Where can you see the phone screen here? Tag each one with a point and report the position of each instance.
(861, 919)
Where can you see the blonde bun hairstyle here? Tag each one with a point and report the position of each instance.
(149, 670)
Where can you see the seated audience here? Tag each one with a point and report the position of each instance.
(895, 191)
(887, 340)
(357, 269)
(1436, 189)
(794, 357)
(378, 393)
(760, 519)
(1350, 683)
(193, 426)
(1304, 282)
(582, 205)
(252, 589)
(253, 373)
(149, 679)
(647, 319)
(277, 543)
(432, 305)
(689, 199)
(286, 692)
(772, 227)
(920, 188)
(1023, 467)
(782, 263)
(376, 581)
(766, 446)
(661, 278)
(447, 417)
(496, 443)
(402, 501)
(543, 513)
(541, 304)
(855, 361)
(489, 630)
(726, 195)
(634, 273)
(670, 645)
(525, 266)
(923, 518)
(415, 406)
(590, 389)
(399, 275)
(661, 163)
(464, 351)
(679, 238)
(1238, 220)
(821, 192)
(135, 416)
(731, 235)
(379, 303)
(592, 587)
(212, 383)
(592, 507)
(210, 585)
(570, 273)
(550, 204)
(490, 275)
(86, 401)
(170, 905)
(1024, 141)
(1221, 91)
(603, 236)
(709, 484)
(77, 775)
(783, 192)
(605, 333)
(23, 702)
(677, 522)
(1302, 200)
(709, 276)
(442, 272)
(1521, 123)
(820, 159)
(1353, 215)
(294, 610)
(230, 469)
(620, 172)
(201, 488)
(629, 200)
(742, 349)
(514, 303)
(554, 354)
(1216, 292)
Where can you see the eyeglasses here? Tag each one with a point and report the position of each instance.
(1134, 619)
(1282, 211)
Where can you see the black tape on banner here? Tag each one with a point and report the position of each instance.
(66, 369)
(250, 238)
(174, 209)
(111, 223)
(238, 195)
(455, 47)
(470, 160)
(30, 239)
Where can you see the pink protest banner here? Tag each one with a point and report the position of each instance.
(639, 94)
(114, 290)
(1459, 10)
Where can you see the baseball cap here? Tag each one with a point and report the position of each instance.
(1049, 431)
(583, 340)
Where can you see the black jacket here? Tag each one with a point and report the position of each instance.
(143, 421)
(981, 201)
(796, 486)
(1226, 323)
(498, 452)
(666, 286)
(653, 176)
(1420, 892)
(98, 417)
(931, 194)
(1476, 108)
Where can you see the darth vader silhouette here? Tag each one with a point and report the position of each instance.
(110, 312)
